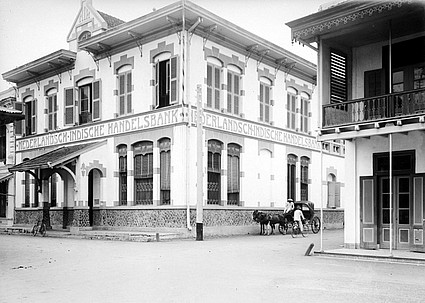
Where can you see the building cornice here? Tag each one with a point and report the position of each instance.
(331, 19)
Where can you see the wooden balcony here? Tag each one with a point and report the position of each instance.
(380, 108)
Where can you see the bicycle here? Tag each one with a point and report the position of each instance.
(39, 227)
(296, 230)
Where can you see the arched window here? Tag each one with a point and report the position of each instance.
(233, 89)
(214, 75)
(291, 174)
(125, 88)
(333, 192)
(214, 172)
(291, 107)
(30, 115)
(143, 173)
(233, 174)
(84, 35)
(122, 169)
(89, 95)
(52, 108)
(265, 99)
(304, 111)
(304, 178)
(166, 79)
(165, 171)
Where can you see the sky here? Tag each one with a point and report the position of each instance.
(31, 29)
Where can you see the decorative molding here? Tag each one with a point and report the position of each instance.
(298, 35)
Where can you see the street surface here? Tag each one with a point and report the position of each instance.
(250, 268)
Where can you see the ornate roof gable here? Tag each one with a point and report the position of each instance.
(91, 21)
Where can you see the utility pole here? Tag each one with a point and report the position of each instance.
(200, 167)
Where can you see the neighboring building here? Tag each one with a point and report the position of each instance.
(371, 75)
(110, 137)
(7, 155)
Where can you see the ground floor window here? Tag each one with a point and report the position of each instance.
(233, 174)
(304, 178)
(214, 172)
(122, 154)
(165, 171)
(291, 175)
(143, 173)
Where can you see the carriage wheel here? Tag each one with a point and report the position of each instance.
(315, 225)
(295, 230)
(283, 229)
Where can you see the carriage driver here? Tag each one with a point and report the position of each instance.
(289, 206)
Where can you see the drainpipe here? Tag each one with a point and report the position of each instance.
(390, 138)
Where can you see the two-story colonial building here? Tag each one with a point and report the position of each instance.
(371, 82)
(110, 135)
(7, 155)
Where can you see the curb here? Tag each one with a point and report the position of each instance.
(387, 259)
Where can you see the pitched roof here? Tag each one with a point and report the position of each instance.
(54, 157)
(111, 20)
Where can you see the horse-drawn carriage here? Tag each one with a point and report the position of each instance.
(286, 221)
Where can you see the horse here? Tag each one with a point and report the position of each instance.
(263, 219)
(276, 219)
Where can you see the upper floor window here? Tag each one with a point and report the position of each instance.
(166, 79)
(89, 95)
(30, 115)
(419, 77)
(304, 111)
(339, 73)
(125, 88)
(291, 106)
(52, 109)
(143, 173)
(265, 99)
(84, 36)
(214, 71)
(69, 106)
(233, 89)
(165, 171)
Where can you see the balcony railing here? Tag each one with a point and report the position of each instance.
(396, 105)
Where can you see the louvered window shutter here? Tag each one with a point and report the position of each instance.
(129, 89)
(209, 86)
(20, 123)
(34, 116)
(121, 93)
(97, 100)
(69, 106)
(338, 77)
(174, 75)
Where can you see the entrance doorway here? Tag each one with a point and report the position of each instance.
(3, 198)
(400, 214)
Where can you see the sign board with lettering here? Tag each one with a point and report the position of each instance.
(172, 116)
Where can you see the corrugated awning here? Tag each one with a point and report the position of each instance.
(55, 157)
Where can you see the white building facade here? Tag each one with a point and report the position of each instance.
(110, 138)
(371, 78)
